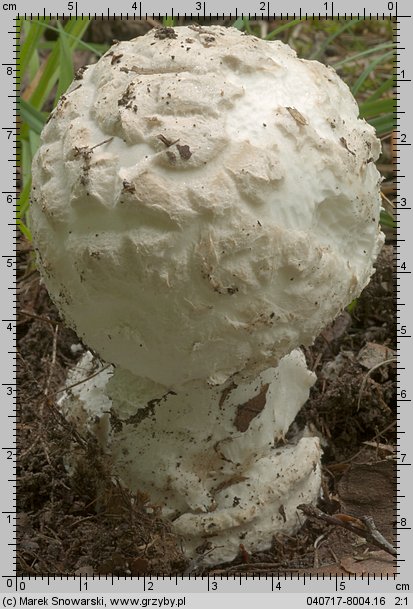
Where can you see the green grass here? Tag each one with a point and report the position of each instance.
(168, 21)
(361, 54)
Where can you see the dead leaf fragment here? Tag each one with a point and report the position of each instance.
(372, 355)
(248, 411)
(367, 489)
(184, 152)
(373, 563)
(338, 328)
(297, 116)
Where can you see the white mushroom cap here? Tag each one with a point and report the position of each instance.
(204, 202)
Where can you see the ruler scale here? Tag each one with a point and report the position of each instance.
(396, 589)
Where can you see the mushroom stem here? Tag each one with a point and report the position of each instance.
(214, 457)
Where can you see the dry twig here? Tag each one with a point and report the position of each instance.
(367, 530)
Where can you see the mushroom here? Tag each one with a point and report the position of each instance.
(204, 202)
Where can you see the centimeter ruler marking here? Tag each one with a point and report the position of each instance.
(18, 583)
(399, 77)
(402, 207)
(252, 16)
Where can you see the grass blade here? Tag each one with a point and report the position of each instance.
(386, 220)
(33, 31)
(34, 141)
(24, 200)
(75, 30)
(66, 71)
(383, 124)
(376, 107)
(32, 117)
(282, 28)
(369, 69)
(26, 161)
(376, 49)
(386, 86)
(96, 48)
(239, 23)
(345, 26)
(24, 229)
(168, 21)
(243, 24)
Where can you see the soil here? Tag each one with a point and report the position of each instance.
(87, 523)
